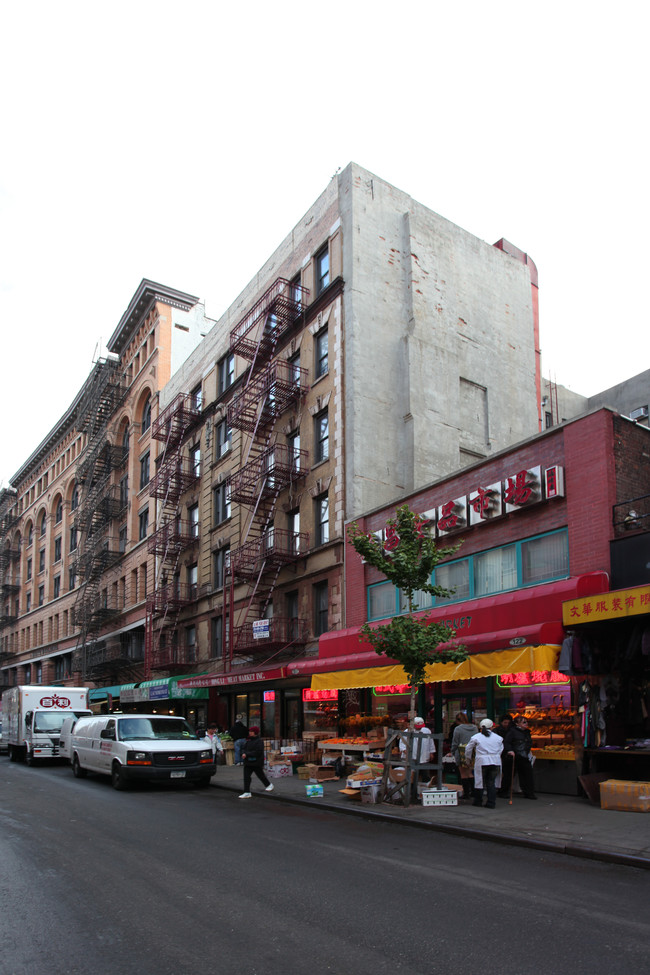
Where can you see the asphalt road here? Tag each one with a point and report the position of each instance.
(176, 881)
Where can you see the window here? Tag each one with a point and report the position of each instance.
(221, 503)
(293, 442)
(296, 292)
(122, 539)
(57, 549)
(321, 348)
(381, 600)
(495, 571)
(195, 460)
(74, 500)
(197, 397)
(29, 569)
(57, 587)
(193, 517)
(144, 470)
(124, 491)
(322, 519)
(322, 270)
(221, 563)
(455, 577)
(542, 558)
(226, 373)
(294, 369)
(293, 524)
(43, 524)
(190, 642)
(146, 415)
(143, 523)
(73, 540)
(223, 438)
(321, 436)
(30, 535)
(292, 614)
(28, 674)
(58, 516)
(193, 579)
(216, 627)
(41, 595)
(28, 602)
(41, 560)
(320, 608)
(125, 444)
(72, 578)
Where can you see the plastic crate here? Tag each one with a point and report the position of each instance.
(439, 797)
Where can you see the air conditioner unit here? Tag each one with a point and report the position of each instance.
(640, 414)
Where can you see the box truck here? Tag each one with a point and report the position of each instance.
(33, 715)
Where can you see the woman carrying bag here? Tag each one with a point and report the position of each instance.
(463, 731)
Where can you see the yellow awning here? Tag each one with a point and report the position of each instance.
(477, 665)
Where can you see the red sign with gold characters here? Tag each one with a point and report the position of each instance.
(607, 606)
(54, 701)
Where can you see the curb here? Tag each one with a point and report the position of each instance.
(508, 839)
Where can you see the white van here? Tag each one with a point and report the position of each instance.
(140, 747)
(65, 736)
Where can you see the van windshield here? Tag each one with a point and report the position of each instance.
(48, 721)
(170, 729)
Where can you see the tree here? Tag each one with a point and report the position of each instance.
(407, 557)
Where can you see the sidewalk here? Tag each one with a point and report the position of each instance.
(558, 824)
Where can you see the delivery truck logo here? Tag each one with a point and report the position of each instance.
(54, 701)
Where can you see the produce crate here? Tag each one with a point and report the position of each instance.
(625, 796)
(304, 772)
(439, 797)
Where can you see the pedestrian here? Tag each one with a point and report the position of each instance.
(518, 744)
(239, 734)
(422, 748)
(463, 731)
(212, 735)
(486, 747)
(253, 757)
(507, 771)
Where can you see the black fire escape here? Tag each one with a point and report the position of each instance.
(273, 386)
(99, 503)
(173, 536)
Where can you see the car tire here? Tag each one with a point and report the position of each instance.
(203, 783)
(77, 770)
(118, 780)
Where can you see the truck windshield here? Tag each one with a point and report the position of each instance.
(137, 729)
(47, 721)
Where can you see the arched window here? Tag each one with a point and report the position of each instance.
(43, 524)
(74, 500)
(146, 415)
(125, 442)
(30, 533)
(58, 512)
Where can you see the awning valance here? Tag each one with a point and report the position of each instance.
(543, 657)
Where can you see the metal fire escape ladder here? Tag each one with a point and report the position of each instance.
(102, 396)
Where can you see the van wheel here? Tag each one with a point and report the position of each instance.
(203, 783)
(117, 777)
(77, 770)
(29, 758)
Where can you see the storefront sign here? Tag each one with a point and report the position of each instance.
(607, 606)
(386, 690)
(532, 678)
(226, 680)
(268, 697)
(309, 695)
(486, 502)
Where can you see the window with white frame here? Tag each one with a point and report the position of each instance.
(221, 503)
(221, 562)
(321, 353)
(322, 262)
(322, 519)
(223, 438)
(226, 372)
(321, 436)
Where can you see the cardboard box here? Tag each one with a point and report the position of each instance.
(278, 770)
(370, 793)
(439, 797)
(625, 796)
(314, 790)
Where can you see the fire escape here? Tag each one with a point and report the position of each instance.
(99, 503)
(173, 537)
(273, 386)
(10, 585)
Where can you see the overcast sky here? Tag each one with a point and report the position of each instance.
(182, 142)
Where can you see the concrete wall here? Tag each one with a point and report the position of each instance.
(439, 344)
